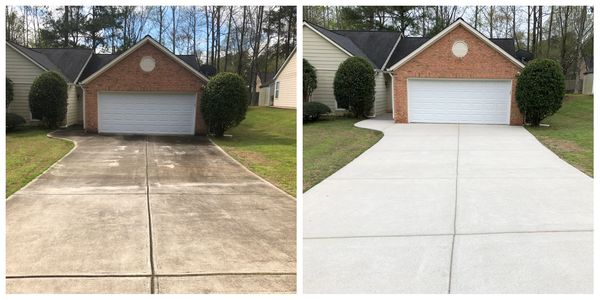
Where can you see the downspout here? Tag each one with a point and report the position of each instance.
(83, 96)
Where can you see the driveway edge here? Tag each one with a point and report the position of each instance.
(49, 135)
(249, 171)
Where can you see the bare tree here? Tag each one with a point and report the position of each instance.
(174, 20)
(241, 40)
(256, 50)
(228, 36)
(579, 33)
(564, 13)
(550, 30)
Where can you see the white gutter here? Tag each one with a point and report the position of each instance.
(392, 52)
(393, 102)
(83, 95)
(83, 68)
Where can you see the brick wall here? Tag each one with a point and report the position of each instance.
(437, 61)
(127, 76)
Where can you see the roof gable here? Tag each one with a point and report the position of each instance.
(496, 45)
(340, 41)
(105, 63)
(287, 60)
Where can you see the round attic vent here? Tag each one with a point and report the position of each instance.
(147, 64)
(460, 49)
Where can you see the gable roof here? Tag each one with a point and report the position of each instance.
(376, 45)
(287, 60)
(98, 61)
(496, 44)
(68, 61)
(342, 42)
(103, 64)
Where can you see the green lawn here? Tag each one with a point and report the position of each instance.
(29, 152)
(265, 142)
(571, 132)
(330, 145)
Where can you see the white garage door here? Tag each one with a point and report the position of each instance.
(146, 113)
(459, 101)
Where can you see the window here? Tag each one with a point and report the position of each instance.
(277, 90)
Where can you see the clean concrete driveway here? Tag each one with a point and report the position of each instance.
(450, 208)
(136, 214)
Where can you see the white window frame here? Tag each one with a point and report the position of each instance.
(276, 89)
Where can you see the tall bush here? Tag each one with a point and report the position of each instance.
(354, 86)
(309, 80)
(9, 92)
(540, 90)
(48, 99)
(224, 103)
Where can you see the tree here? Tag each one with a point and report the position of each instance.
(48, 99)
(309, 80)
(354, 86)
(224, 103)
(540, 90)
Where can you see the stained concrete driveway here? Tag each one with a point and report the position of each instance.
(450, 209)
(136, 214)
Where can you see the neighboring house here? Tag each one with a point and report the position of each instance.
(327, 49)
(264, 88)
(146, 89)
(24, 65)
(588, 76)
(283, 85)
(456, 76)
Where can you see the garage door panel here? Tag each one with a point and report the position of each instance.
(459, 101)
(146, 113)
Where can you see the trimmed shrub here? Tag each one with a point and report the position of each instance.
(13, 121)
(224, 103)
(540, 90)
(354, 86)
(311, 111)
(10, 94)
(48, 99)
(309, 79)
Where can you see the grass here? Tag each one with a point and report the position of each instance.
(29, 152)
(571, 132)
(265, 142)
(330, 145)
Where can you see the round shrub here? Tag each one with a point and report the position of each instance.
(48, 99)
(309, 79)
(311, 111)
(354, 86)
(224, 103)
(10, 94)
(540, 90)
(13, 121)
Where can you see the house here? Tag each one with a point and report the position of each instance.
(144, 90)
(588, 76)
(264, 88)
(283, 85)
(456, 76)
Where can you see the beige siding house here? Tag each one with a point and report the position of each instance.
(326, 50)
(284, 83)
(24, 65)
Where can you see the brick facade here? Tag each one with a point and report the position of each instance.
(437, 61)
(127, 76)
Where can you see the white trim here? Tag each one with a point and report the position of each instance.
(83, 68)
(394, 102)
(446, 31)
(135, 47)
(392, 52)
(325, 69)
(327, 39)
(276, 90)
(27, 56)
(287, 60)
(83, 93)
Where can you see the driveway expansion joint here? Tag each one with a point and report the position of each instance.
(152, 279)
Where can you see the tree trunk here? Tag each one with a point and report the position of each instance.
(550, 30)
(289, 33)
(528, 25)
(66, 24)
(241, 45)
(174, 26)
(278, 42)
(268, 32)
(476, 16)
(534, 30)
(491, 15)
(580, 32)
(218, 38)
(255, 51)
(194, 31)
(564, 31)
(228, 35)
(207, 34)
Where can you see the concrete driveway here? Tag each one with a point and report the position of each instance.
(136, 214)
(450, 209)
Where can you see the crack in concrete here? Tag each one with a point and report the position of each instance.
(152, 279)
